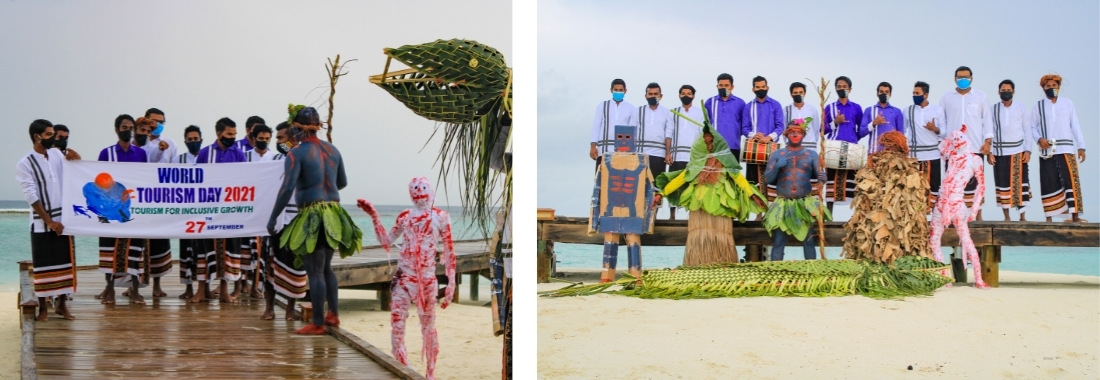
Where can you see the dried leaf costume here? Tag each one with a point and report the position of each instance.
(951, 209)
(414, 282)
(713, 190)
(891, 206)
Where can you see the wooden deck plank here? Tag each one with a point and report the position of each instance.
(171, 338)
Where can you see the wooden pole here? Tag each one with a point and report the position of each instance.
(991, 258)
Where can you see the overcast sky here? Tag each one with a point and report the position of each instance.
(83, 63)
(584, 45)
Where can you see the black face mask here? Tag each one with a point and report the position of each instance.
(227, 142)
(125, 135)
(1006, 96)
(1050, 93)
(761, 94)
(686, 100)
(722, 93)
(141, 139)
(61, 144)
(47, 143)
(797, 98)
(651, 101)
(261, 145)
(882, 98)
(842, 93)
(194, 146)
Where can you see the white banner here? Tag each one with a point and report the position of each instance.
(141, 200)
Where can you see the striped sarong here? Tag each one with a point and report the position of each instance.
(1060, 184)
(53, 258)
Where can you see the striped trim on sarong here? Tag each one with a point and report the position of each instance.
(246, 253)
(205, 260)
(1011, 180)
(279, 268)
(837, 193)
(53, 258)
(1060, 184)
(229, 258)
(123, 258)
(187, 261)
(160, 257)
(932, 172)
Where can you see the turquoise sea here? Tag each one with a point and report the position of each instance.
(1060, 260)
(15, 238)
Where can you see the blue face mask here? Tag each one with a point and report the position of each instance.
(964, 83)
(617, 96)
(159, 129)
(918, 99)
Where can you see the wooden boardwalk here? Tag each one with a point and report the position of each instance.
(169, 338)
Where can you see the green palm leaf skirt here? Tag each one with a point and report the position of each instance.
(322, 220)
(910, 276)
(795, 216)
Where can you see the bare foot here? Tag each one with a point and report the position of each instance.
(269, 315)
(255, 294)
(198, 298)
(293, 315)
(227, 298)
(126, 293)
(137, 299)
(159, 293)
(63, 311)
(187, 294)
(43, 315)
(108, 298)
(101, 294)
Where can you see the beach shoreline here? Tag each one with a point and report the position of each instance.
(1033, 326)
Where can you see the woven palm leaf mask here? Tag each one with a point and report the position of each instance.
(451, 81)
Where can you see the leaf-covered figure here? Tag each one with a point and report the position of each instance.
(890, 210)
(713, 190)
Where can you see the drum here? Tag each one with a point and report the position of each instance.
(757, 152)
(844, 155)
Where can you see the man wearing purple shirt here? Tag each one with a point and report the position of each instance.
(122, 258)
(842, 119)
(724, 111)
(226, 251)
(761, 120)
(880, 118)
(245, 144)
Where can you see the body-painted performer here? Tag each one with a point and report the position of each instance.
(684, 134)
(121, 260)
(414, 283)
(39, 175)
(880, 118)
(280, 274)
(966, 106)
(923, 131)
(1010, 150)
(962, 167)
(622, 203)
(795, 211)
(761, 121)
(842, 120)
(610, 113)
(218, 257)
(314, 176)
(1056, 129)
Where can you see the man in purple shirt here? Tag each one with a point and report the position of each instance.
(245, 144)
(761, 120)
(880, 118)
(225, 252)
(842, 119)
(724, 111)
(122, 259)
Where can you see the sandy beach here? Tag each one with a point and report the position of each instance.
(1033, 326)
(468, 349)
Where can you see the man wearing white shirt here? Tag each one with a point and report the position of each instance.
(261, 141)
(160, 149)
(922, 128)
(1010, 151)
(798, 109)
(251, 246)
(192, 138)
(678, 144)
(654, 126)
(966, 106)
(610, 113)
(1056, 129)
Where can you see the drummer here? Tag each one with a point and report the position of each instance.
(923, 130)
(842, 119)
(761, 121)
(880, 118)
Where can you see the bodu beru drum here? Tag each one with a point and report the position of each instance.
(844, 155)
